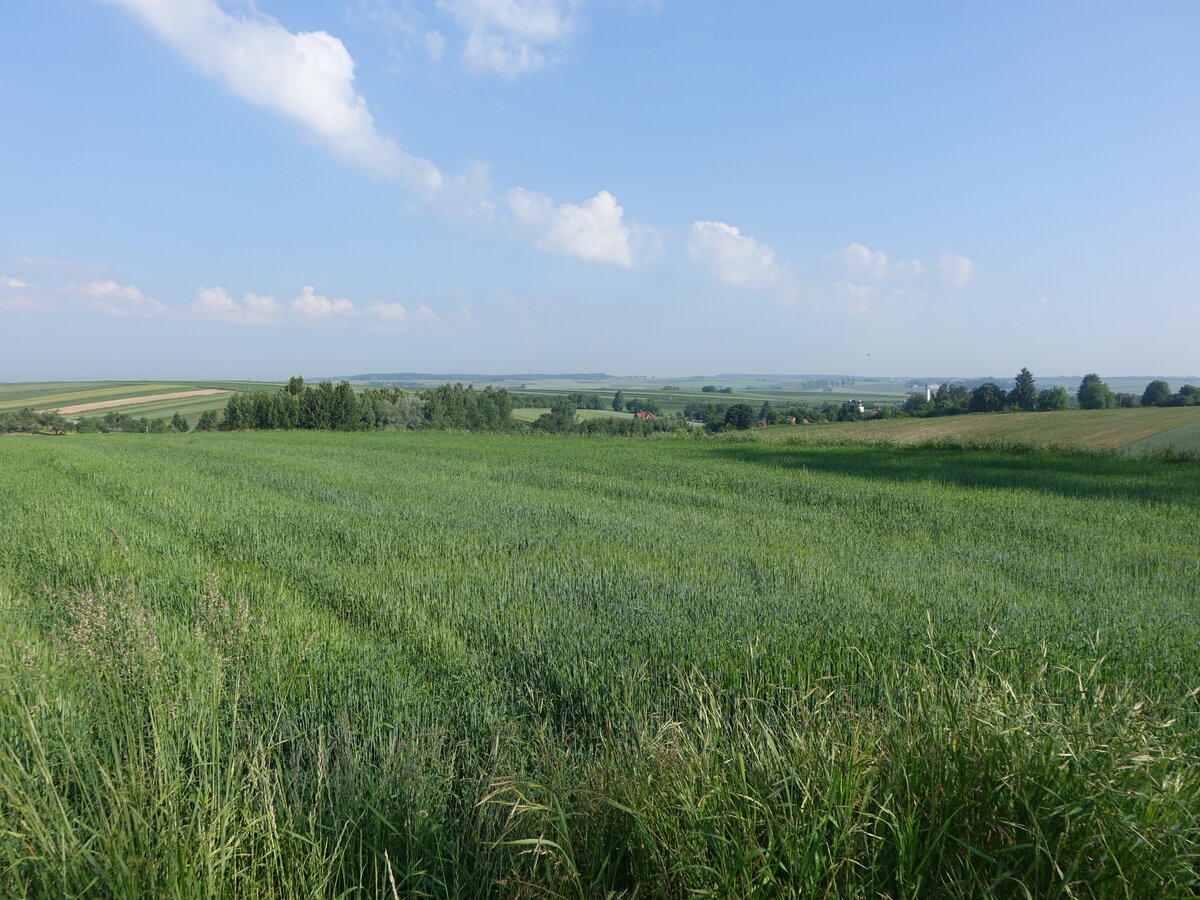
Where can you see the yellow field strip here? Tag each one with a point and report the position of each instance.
(132, 401)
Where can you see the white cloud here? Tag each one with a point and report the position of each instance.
(874, 265)
(401, 20)
(216, 303)
(426, 316)
(15, 294)
(315, 306)
(957, 270)
(389, 312)
(593, 230)
(511, 37)
(734, 258)
(114, 299)
(307, 77)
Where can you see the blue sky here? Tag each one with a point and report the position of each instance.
(227, 188)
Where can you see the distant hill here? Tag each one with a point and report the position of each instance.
(471, 376)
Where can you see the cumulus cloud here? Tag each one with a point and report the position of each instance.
(733, 258)
(511, 37)
(114, 299)
(312, 305)
(594, 230)
(956, 270)
(215, 303)
(9, 282)
(307, 77)
(874, 265)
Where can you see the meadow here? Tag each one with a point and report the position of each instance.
(1138, 430)
(311, 664)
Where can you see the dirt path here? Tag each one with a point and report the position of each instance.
(133, 401)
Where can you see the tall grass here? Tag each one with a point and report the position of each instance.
(309, 665)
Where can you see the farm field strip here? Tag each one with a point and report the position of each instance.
(18, 399)
(148, 399)
(50, 395)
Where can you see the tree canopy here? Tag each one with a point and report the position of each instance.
(1157, 393)
(1094, 393)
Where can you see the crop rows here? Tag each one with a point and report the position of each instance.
(316, 664)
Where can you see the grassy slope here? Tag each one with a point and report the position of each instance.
(1093, 429)
(667, 665)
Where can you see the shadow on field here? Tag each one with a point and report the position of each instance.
(1064, 473)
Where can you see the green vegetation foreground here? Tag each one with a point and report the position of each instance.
(311, 664)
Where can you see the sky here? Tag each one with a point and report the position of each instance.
(259, 188)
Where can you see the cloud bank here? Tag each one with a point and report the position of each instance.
(213, 304)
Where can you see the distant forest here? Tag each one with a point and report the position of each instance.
(954, 399)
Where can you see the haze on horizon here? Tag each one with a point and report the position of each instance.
(236, 189)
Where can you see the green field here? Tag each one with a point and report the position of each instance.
(1184, 437)
(462, 665)
(1101, 429)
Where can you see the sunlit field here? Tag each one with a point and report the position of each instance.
(309, 664)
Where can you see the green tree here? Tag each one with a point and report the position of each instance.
(560, 418)
(295, 386)
(239, 413)
(988, 397)
(345, 412)
(618, 402)
(1188, 395)
(739, 416)
(179, 423)
(207, 421)
(1053, 399)
(1023, 396)
(1157, 393)
(1094, 393)
(950, 399)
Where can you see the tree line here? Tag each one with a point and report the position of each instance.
(1093, 393)
(29, 421)
(329, 407)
